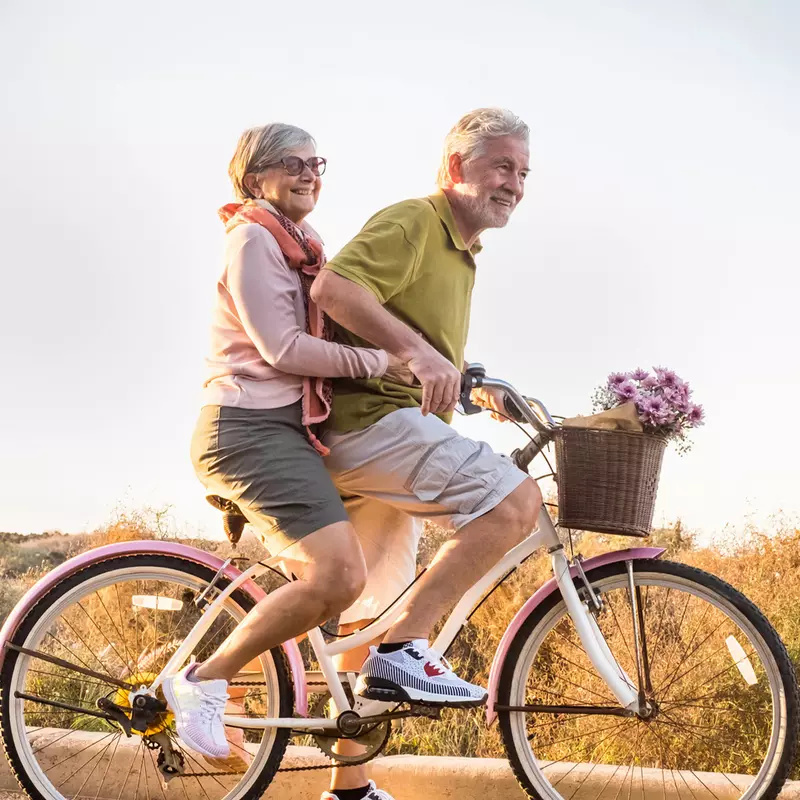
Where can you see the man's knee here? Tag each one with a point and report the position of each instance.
(519, 511)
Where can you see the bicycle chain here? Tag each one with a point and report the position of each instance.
(331, 763)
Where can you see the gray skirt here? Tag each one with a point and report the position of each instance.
(261, 459)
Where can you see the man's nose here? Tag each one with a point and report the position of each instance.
(516, 185)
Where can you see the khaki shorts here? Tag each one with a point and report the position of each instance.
(407, 467)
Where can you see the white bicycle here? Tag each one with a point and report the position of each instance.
(625, 673)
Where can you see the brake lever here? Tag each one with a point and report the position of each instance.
(471, 379)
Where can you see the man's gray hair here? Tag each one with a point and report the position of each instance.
(472, 131)
(260, 146)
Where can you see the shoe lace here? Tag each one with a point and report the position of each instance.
(433, 655)
(212, 705)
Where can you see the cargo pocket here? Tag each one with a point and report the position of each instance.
(434, 472)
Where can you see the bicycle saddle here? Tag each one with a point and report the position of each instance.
(233, 521)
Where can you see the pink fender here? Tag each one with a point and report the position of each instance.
(36, 592)
(539, 597)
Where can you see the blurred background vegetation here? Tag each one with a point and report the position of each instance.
(765, 566)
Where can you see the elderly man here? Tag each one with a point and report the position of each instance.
(404, 284)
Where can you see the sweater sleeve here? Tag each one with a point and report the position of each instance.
(263, 291)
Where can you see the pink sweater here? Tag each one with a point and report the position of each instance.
(260, 350)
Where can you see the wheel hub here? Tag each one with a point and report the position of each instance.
(144, 706)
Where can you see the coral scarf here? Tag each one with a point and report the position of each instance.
(304, 254)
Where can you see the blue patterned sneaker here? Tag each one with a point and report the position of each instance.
(416, 674)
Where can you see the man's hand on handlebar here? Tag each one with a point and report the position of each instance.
(441, 381)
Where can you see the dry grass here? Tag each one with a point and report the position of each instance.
(765, 567)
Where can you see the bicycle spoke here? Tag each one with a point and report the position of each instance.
(135, 657)
(83, 750)
(128, 661)
(188, 755)
(108, 641)
(686, 653)
(108, 768)
(63, 736)
(680, 626)
(99, 757)
(128, 774)
(156, 773)
(621, 633)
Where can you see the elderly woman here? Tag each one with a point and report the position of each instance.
(254, 443)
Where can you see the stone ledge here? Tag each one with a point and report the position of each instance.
(409, 777)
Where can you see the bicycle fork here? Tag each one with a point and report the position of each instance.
(591, 637)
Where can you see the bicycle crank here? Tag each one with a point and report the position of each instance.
(372, 737)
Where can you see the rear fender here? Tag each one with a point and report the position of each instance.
(213, 562)
(538, 598)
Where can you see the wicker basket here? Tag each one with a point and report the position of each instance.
(607, 480)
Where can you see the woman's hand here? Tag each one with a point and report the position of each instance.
(491, 399)
(398, 371)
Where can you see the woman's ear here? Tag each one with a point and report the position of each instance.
(251, 184)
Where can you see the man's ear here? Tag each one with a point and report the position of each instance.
(251, 184)
(455, 166)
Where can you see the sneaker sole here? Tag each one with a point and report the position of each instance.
(169, 696)
(380, 689)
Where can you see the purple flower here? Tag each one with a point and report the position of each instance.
(616, 378)
(667, 378)
(654, 411)
(649, 382)
(626, 390)
(639, 374)
(695, 415)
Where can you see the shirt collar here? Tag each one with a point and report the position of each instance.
(445, 212)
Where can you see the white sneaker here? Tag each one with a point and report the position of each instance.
(198, 707)
(416, 674)
(372, 794)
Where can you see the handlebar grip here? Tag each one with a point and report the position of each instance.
(512, 410)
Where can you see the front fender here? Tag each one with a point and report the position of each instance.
(213, 562)
(538, 598)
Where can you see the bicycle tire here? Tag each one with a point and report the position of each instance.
(533, 629)
(260, 781)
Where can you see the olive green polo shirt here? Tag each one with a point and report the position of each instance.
(412, 257)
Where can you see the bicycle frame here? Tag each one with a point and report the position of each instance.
(620, 685)
(545, 536)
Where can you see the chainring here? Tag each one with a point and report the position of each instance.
(374, 739)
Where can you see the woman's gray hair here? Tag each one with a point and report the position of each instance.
(472, 131)
(260, 146)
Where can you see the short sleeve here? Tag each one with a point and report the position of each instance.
(382, 258)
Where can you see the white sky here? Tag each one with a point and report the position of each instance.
(660, 224)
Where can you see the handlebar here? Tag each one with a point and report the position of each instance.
(517, 406)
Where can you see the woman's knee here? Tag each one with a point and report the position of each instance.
(330, 560)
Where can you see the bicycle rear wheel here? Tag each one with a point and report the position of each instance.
(719, 681)
(110, 627)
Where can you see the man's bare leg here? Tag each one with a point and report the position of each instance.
(463, 559)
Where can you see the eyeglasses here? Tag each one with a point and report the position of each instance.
(294, 165)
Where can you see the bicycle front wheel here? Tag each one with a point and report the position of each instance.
(722, 693)
(102, 632)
